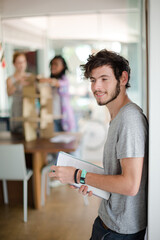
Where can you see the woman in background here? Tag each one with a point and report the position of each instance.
(61, 100)
(15, 84)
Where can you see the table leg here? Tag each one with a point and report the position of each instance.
(38, 162)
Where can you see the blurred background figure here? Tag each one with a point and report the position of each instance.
(15, 84)
(61, 99)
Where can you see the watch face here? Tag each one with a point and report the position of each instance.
(82, 180)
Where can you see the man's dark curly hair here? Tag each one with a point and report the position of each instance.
(109, 58)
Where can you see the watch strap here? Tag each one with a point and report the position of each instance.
(83, 176)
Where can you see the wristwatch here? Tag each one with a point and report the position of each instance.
(83, 176)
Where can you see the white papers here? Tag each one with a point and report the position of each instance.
(65, 159)
(62, 138)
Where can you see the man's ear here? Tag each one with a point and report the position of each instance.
(124, 78)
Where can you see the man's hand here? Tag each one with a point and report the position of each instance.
(66, 175)
(63, 174)
(84, 190)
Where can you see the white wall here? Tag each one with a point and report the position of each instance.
(154, 120)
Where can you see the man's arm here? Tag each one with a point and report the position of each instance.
(127, 183)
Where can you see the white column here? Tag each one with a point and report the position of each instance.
(154, 121)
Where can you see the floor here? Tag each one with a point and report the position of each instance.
(64, 217)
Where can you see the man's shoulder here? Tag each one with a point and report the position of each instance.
(131, 106)
(131, 109)
(132, 113)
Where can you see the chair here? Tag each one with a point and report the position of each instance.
(44, 174)
(13, 167)
(45, 185)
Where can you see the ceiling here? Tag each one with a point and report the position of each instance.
(92, 20)
(119, 26)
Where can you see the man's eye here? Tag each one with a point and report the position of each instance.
(92, 80)
(104, 79)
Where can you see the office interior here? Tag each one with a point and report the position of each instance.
(75, 31)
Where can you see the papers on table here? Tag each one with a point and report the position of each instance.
(62, 138)
(65, 159)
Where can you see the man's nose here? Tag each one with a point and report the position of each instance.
(98, 85)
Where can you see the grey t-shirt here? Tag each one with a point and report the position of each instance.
(127, 138)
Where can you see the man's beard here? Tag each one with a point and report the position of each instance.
(113, 97)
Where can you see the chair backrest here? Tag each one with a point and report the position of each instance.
(12, 162)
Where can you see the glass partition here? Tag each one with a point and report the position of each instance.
(75, 37)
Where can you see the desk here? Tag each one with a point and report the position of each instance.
(39, 148)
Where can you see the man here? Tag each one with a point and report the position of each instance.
(124, 214)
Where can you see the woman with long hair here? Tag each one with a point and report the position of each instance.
(61, 99)
(15, 84)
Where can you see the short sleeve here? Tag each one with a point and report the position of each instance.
(132, 135)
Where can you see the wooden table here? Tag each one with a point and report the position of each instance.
(39, 148)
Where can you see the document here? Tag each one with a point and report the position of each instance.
(65, 159)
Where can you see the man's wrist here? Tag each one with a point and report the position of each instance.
(79, 175)
(75, 175)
